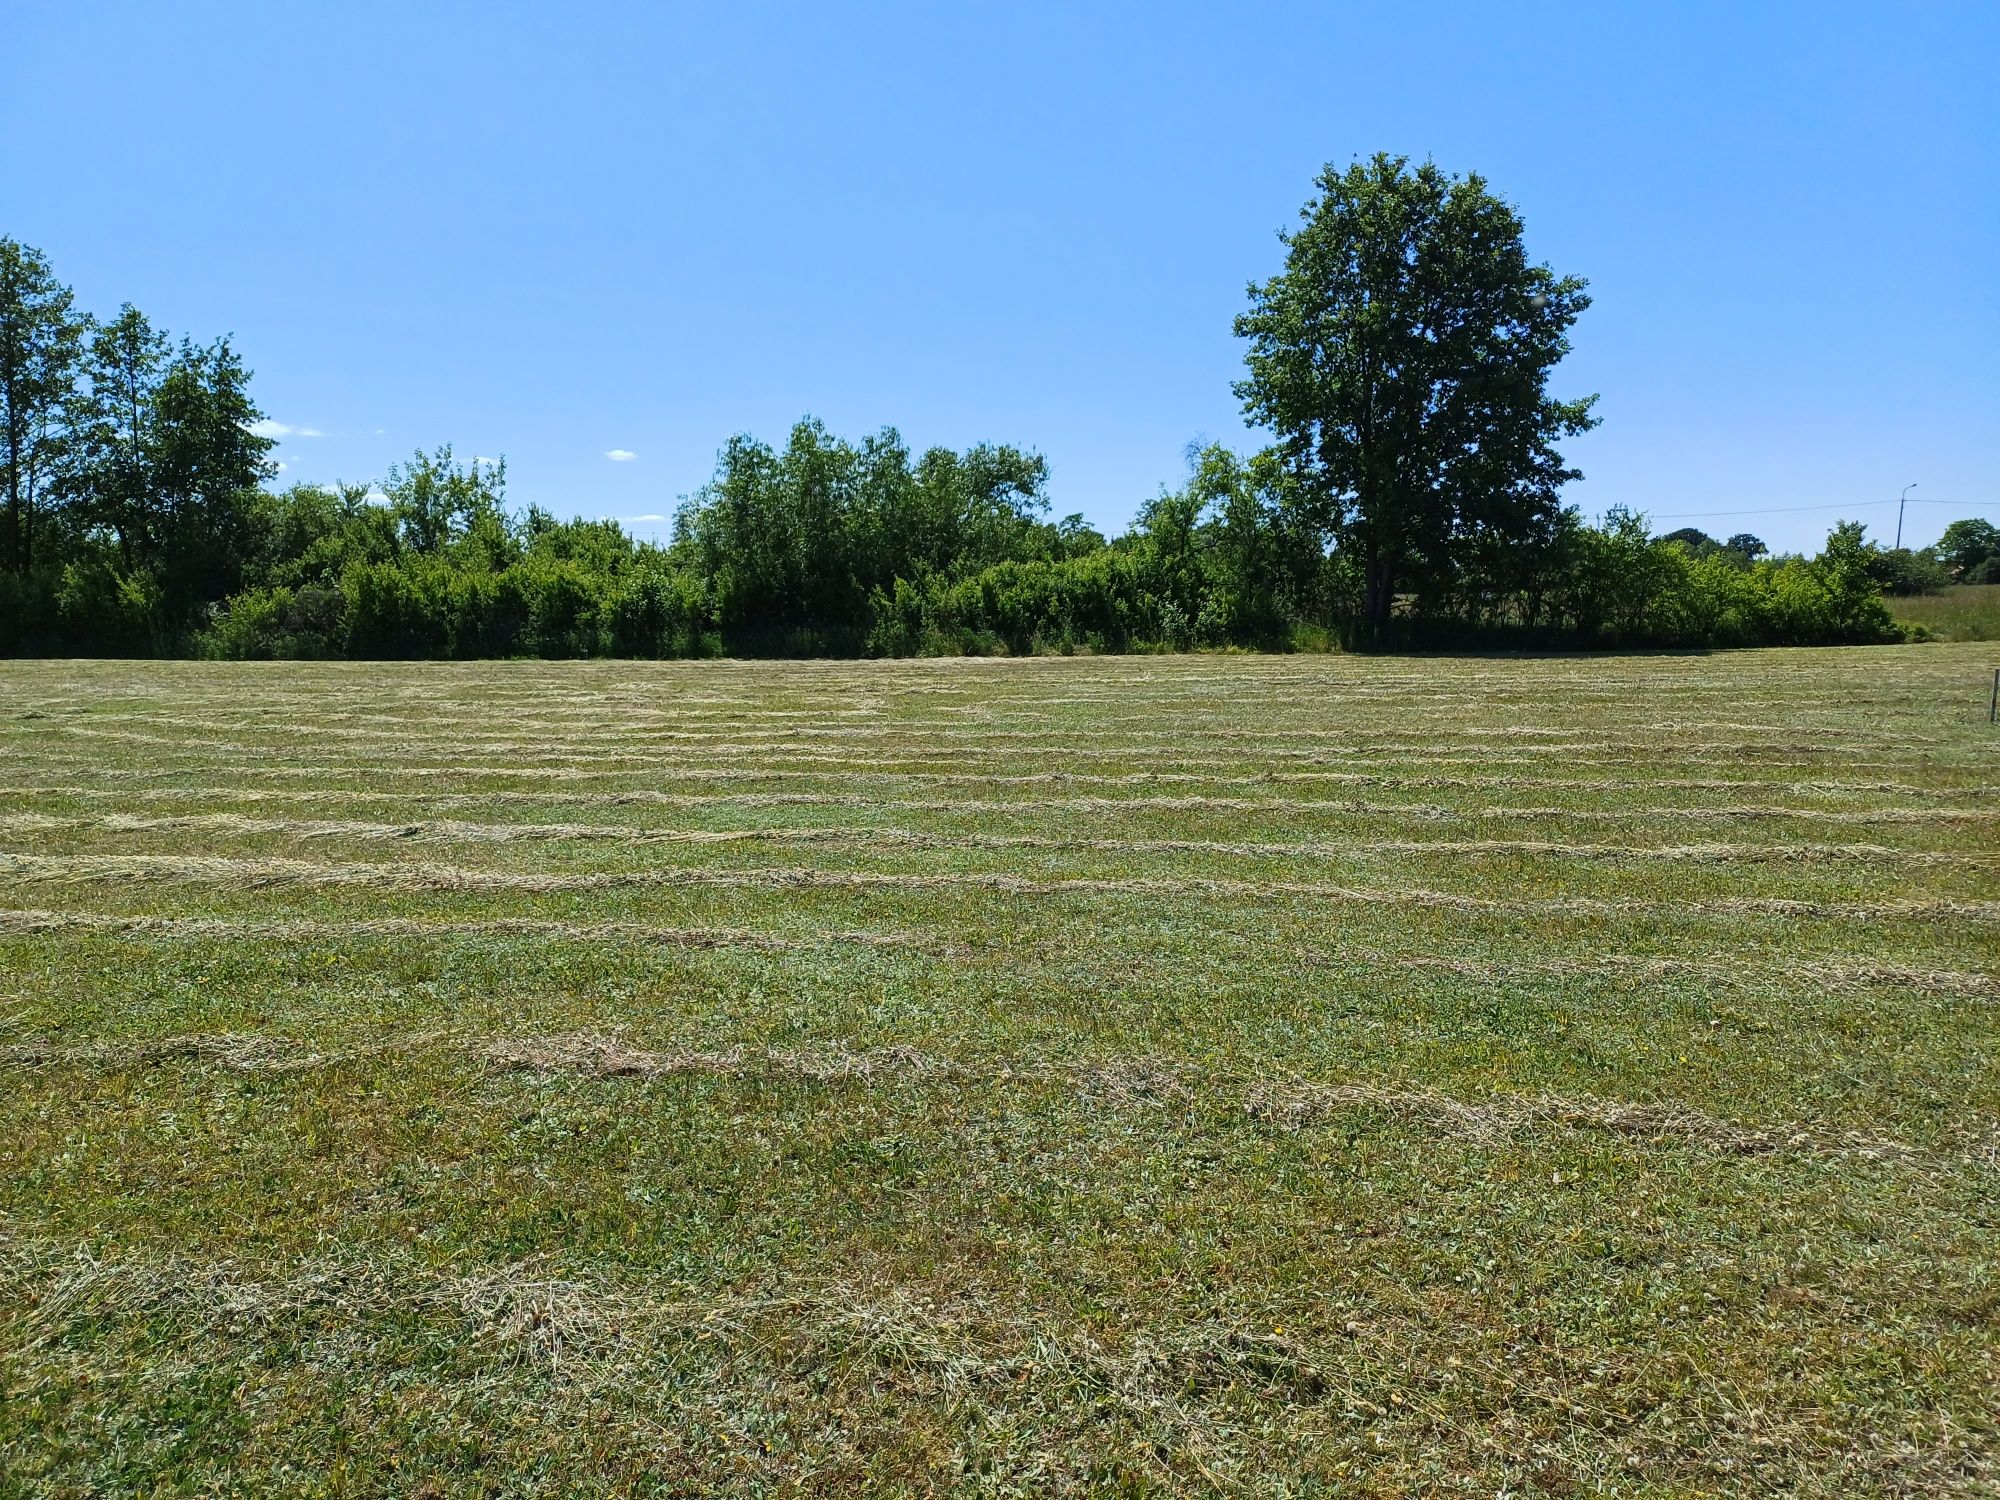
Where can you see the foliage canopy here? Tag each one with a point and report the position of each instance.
(1402, 357)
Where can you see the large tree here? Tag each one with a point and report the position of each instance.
(127, 360)
(1970, 548)
(205, 463)
(168, 462)
(40, 348)
(804, 536)
(1402, 357)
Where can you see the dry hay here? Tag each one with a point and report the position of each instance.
(1132, 1081)
(586, 1054)
(232, 1051)
(460, 831)
(598, 1055)
(1733, 971)
(29, 920)
(266, 873)
(1297, 1104)
(1026, 806)
(1234, 775)
(1119, 1082)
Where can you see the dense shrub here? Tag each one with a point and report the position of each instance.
(660, 611)
(107, 611)
(946, 553)
(1093, 602)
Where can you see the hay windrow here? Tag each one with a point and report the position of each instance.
(1719, 970)
(1296, 1105)
(248, 929)
(546, 761)
(460, 831)
(1729, 971)
(1132, 1082)
(256, 874)
(235, 1052)
(559, 776)
(1029, 806)
(596, 1055)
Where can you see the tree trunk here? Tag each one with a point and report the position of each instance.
(1378, 596)
(1381, 591)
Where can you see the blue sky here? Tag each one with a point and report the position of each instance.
(561, 232)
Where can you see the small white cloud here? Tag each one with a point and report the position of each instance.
(282, 466)
(266, 428)
(621, 455)
(375, 497)
(481, 458)
(648, 518)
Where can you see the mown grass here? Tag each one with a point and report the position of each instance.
(1250, 1076)
(1963, 612)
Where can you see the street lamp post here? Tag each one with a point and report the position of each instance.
(1901, 501)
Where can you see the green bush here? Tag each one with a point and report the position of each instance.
(660, 612)
(103, 611)
(563, 608)
(309, 622)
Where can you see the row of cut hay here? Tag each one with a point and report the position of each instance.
(1733, 971)
(850, 723)
(1385, 712)
(1726, 971)
(952, 737)
(1292, 1104)
(250, 874)
(28, 921)
(305, 737)
(1615, 786)
(1298, 1104)
(460, 831)
(1032, 806)
(297, 745)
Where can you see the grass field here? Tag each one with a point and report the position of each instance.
(1157, 1075)
(1963, 612)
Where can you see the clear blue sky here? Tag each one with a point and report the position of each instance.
(552, 232)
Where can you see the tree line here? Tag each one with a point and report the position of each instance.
(1401, 359)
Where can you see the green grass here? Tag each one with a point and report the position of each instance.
(1963, 612)
(1240, 1075)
